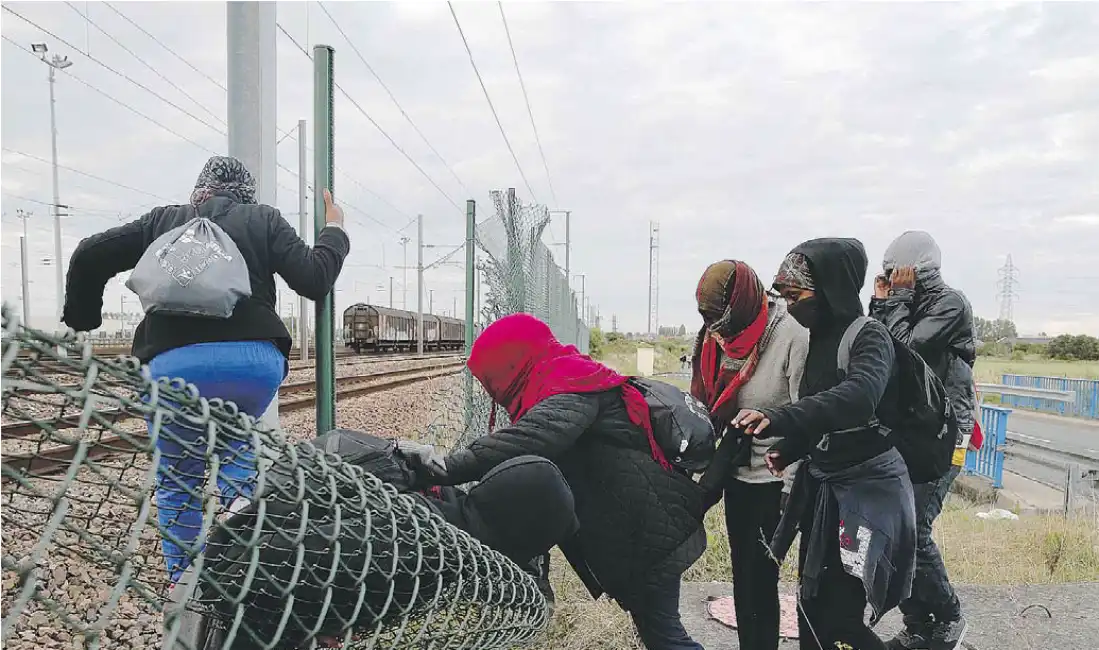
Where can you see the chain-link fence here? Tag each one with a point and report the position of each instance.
(522, 276)
(321, 550)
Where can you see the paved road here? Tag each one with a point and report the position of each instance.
(1039, 444)
(1068, 434)
(1060, 617)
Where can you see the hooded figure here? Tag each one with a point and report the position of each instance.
(242, 358)
(640, 521)
(852, 499)
(750, 353)
(936, 321)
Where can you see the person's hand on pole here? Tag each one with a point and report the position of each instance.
(333, 214)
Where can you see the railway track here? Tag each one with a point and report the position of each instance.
(294, 396)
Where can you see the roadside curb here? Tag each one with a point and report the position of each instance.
(979, 490)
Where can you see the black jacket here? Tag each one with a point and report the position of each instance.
(268, 244)
(638, 522)
(828, 404)
(937, 322)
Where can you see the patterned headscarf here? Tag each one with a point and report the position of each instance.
(794, 272)
(733, 304)
(224, 174)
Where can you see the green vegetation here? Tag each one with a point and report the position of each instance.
(991, 369)
(620, 353)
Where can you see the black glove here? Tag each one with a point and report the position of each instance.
(429, 464)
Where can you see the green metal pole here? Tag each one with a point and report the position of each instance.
(471, 270)
(471, 276)
(323, 178)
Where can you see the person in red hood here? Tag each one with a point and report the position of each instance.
(640, 520)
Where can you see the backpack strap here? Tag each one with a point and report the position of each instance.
(843, 358)
(843, 353)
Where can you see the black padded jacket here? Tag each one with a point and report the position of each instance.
(936, 321)
(640, 524)
(268, 244)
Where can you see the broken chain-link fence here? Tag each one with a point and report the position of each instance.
(522, 276)
(322, 550)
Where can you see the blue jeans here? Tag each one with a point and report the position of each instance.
(247, 373)
(932, 596)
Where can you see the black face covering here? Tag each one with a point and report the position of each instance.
(806, 311)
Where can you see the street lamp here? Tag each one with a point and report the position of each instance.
(55, 63)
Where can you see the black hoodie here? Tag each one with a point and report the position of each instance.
(827, 404)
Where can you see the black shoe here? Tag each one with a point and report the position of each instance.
(948, 635)
(912, 637)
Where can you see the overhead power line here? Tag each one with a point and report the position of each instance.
(376, 125)
(394, 99)
(492, 108)
(117, 101)
(109, 68)
(160, 42)
(145, 63)
(92, 176)
(530, 112)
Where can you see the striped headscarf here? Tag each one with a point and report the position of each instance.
(224, 174)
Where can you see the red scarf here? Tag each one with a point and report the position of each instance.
(712, 384)
(520, 363)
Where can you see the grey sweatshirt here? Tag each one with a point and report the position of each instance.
(774, 383)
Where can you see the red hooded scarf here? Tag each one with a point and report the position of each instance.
(520, 363)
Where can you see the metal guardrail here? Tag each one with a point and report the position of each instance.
(988, 461)
(1010, 390)
(1086, 404)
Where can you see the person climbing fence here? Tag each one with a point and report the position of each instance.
(322, 550)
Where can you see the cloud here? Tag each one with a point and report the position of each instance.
(742, 128)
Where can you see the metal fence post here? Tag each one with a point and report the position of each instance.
(471, 277)
(323, 173)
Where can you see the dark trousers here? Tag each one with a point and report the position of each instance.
(933, 597)
(834, 616)
(657, 617)
(522, 508)
(751, 517)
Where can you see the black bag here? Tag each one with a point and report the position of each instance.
(375, 455)
(681, 424)
(923, 428)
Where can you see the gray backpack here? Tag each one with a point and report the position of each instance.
(192, 270)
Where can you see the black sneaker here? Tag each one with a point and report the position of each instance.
(912, 637)
(948, 635)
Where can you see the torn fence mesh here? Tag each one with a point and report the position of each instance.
(321, 550)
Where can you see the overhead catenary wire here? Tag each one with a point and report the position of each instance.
(160, 42)
(111, 69)
(145, 63)
(491, 107)
(92, 176)
(394, 99)
(526, 98)
(377, 126)
(117, 101)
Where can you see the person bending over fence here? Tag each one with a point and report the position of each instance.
(640, 519)
(205, 275)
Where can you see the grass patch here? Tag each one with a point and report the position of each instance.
(991, 369)
(1034, 549)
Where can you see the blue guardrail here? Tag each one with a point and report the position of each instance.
(1085, 406)
(988, 461)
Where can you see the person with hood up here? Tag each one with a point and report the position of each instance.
(242, 358)
(640, 520)
(749, 354)
(935, 320)
(852, 499)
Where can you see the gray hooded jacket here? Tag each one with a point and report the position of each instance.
(934, 319)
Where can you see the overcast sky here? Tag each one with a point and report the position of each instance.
(742, 128)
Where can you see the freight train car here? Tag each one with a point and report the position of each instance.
(371, 329)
